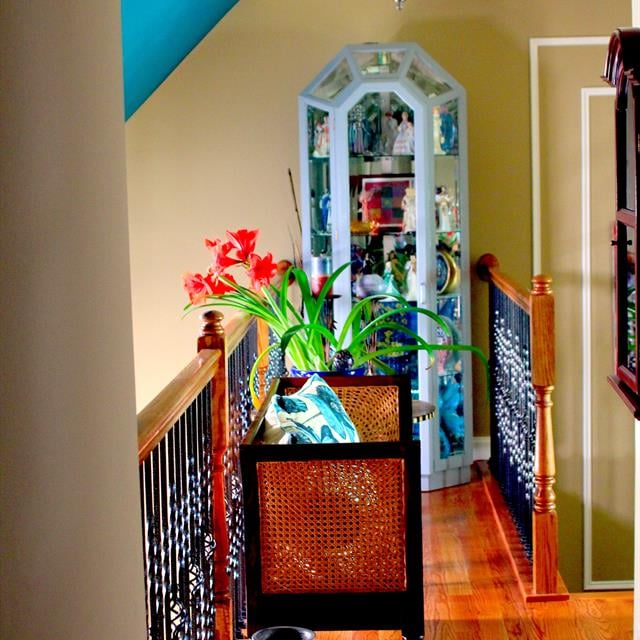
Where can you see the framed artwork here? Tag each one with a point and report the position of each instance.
(382, 200)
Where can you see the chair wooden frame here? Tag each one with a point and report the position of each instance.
(398, 608)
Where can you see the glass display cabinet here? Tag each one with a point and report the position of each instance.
(384, 186)
(622, 71)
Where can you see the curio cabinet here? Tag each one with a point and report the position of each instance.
(383, 149)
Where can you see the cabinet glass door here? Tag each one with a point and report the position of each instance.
(383, 214)
(318, 137)
(448, 291)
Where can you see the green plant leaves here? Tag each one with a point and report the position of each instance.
(309, 344)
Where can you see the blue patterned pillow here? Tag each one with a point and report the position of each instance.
(314, 414)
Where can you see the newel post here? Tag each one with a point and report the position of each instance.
(212, 336)
(545, 524)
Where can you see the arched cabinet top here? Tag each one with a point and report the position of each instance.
(372, 63)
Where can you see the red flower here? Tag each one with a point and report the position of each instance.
(261, 270)
(244, 242)
(220, 255)
(218, 286)
(197, 286)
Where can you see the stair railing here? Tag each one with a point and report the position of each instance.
(192, 513)
(522, 345)
(175, 445)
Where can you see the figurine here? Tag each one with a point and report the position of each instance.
(411, 279)
(448, 132)
(444, 214)
(389, 133)
(364, 199)
(356, 133)
(321, 139)
(450, 407)
(409, 209)
(325, 209)
(437, 135)
(393, 275)
(404, 142)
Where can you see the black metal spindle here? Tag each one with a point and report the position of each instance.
(177, 524)
(512, 410)
(239, 363)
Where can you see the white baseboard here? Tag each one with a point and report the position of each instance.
(609, 585)
(481, 447)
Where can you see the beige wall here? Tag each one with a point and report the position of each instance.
(70, 537)
(585, 407)
(210, 149)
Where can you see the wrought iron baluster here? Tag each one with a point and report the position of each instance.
(239, 363)
(177, 524)
(513, 410)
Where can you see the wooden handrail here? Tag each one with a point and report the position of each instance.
(488, 269)
(235, 330)
(539, 305)
(155, 420)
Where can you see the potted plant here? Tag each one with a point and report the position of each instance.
(302, 335)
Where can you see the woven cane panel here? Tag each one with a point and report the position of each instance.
(374, 410)
(332, 525)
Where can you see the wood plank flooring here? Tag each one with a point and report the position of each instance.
(471, 592)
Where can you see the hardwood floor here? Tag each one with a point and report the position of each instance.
(471, 592)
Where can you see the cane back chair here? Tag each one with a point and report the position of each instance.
(333, 531)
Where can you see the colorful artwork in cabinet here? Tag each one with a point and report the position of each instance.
(382, 201)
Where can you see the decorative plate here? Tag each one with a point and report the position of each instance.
(447, 272)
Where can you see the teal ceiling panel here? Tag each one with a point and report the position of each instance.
(156, 36)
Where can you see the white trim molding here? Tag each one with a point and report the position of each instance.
(587, 421)
(534, 86)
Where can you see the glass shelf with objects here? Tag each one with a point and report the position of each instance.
(395, 172)
(319, 194)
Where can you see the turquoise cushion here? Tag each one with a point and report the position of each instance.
(313, 414)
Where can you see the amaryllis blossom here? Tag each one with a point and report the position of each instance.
(197, 286)
(220, 258)
(219, 286)
(261, 270)
(244, 242)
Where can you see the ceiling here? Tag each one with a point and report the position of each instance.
(157, 36)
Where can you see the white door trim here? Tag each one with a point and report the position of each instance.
(534, 86)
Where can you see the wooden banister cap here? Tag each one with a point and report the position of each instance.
(486, 263)
(211, 331)
(212, 316)
(541, 285)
